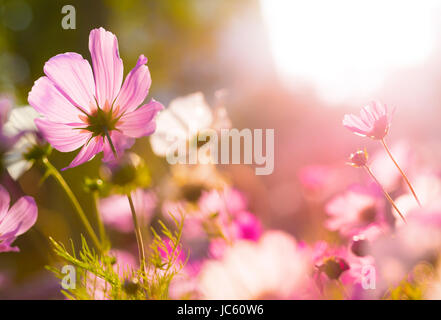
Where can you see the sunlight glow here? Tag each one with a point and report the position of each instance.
(346, 48)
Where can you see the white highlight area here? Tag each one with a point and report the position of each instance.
(346, 48)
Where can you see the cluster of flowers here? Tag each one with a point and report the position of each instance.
(379, 232)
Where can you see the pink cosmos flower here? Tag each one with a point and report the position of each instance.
(373, 122)
(226, 209)
(115, 210)
(338, 263)
(16, 220)
(355, 211)
(93, 110)
(6, 141)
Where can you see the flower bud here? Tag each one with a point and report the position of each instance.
(334, 267)
(358, 159)
(359, 246)
(128, 171)
(91, 185)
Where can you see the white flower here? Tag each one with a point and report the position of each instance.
(20, 123)
(183, 119)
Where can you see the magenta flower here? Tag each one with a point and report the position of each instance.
(94, 110)
(373, 122)
(16, 220)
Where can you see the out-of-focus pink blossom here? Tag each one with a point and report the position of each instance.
(15, 220)
(373, 122)
(384, 168)
(355, 211)
(83, 109)
(429, 190)
(314, 177)
(115, 210)
(274, 267)
(338, 263)
(229, 201)
(419, 240)
(5, 108)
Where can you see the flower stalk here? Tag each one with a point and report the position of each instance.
(401, 171)
(388, 197)
(138, 232)
(52, 171)
(138, 235)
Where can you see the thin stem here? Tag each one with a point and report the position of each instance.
(101, 229)
(385, 194)
(138, 235)
(401, 171)
(51, 170)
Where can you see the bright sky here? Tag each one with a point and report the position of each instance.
(345, 48)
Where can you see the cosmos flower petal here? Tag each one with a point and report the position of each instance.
(4, 202)
(21, 217)
(136, 87)
(107, 65)
(51, 103)
(93, 147)
(63, 137)
(373, 122)
(140, 122)
(5, 107)
(72, 76)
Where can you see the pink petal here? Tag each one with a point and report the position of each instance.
(21, 217)
(49, 101)
(4, 202)
(72, 76)
(136, 87)
(107, 65)
(5, 244)
(115, 212)
(354, 124)
(367, 117)
(140, 122)
(63, 137)
(92, 148)
(5, 107)
(120, 142)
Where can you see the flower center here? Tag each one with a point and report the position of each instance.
(101, 122)
(368, 214)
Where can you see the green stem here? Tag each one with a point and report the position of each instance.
(401, 171)
(385, 193)
(51, 170)
(138, 235)
(101, 229)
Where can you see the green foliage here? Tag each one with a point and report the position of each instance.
(100, 277)
(165, 259)
(414, 285)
